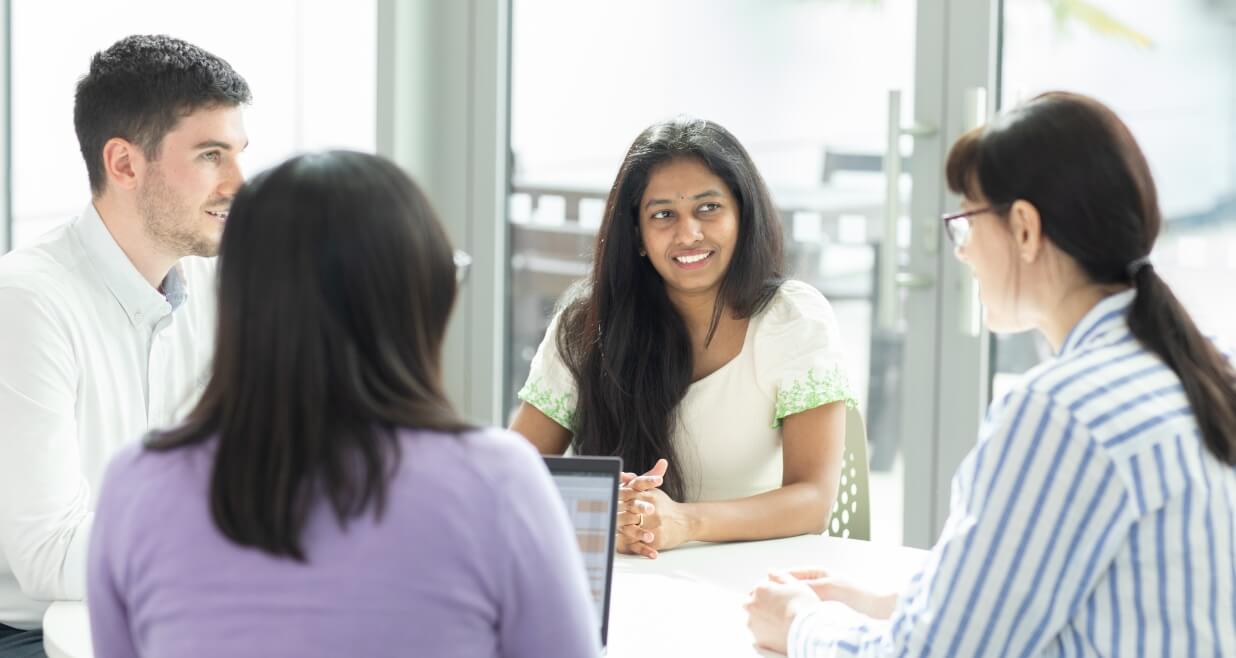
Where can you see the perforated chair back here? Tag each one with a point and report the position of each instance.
(851, 516)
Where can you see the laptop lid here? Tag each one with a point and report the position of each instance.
(589, 487)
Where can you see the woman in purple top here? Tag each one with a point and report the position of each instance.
(323, 498)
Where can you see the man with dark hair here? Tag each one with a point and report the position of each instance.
(106, 325)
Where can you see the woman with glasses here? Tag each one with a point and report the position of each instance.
(323, 498)
(1096, 515)
(689, 355)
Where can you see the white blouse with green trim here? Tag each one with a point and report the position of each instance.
(729, 436)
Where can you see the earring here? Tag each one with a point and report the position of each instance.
(642, 253)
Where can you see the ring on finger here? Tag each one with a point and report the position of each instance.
(640, 523)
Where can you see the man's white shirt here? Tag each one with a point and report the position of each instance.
(91, 358)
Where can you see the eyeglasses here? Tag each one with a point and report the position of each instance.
(463, 263)
(957, 224)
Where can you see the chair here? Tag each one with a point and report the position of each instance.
(851, 515)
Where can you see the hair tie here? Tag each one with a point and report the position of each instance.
(1136, 267)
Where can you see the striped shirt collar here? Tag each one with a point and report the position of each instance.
(1108, 314)
(143, 304)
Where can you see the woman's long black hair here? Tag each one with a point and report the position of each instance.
(335, 285)
(1077, 162)
(621, 338)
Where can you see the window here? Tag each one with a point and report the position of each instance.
(311, 66)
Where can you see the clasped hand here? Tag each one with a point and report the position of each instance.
(648, 519)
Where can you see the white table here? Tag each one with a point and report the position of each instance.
(687, 602)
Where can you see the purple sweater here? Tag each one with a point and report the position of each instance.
(474, 557)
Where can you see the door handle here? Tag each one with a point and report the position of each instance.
(463, 266)
(890, 277)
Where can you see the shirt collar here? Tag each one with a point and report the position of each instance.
(1109, 313)
(142, 303)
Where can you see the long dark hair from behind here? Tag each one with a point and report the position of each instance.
(621, 337)
(335, 285)
(1078, 164)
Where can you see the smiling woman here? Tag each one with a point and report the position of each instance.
(690, 356)
(689, 228)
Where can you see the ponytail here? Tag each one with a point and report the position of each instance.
(1078, 163)
(1162, 325)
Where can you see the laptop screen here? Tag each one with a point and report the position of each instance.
(589, 487)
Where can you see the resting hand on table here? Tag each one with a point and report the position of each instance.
(879, 605)
(772, 607)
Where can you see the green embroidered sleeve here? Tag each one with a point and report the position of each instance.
(811, 391)
(560, 408)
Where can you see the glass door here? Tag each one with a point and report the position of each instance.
(828, 97)
(515, 114)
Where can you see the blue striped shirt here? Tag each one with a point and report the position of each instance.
(1088, 520)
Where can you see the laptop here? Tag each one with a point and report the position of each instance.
(589, 487)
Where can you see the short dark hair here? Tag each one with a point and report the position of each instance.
(140, 87)
(1080, 166)
(621, 338)
(336, 282)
